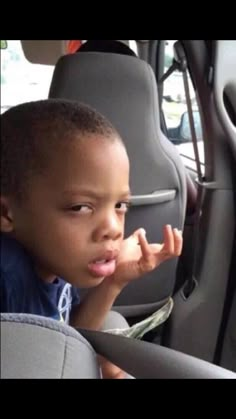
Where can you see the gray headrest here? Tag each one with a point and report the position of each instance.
(123, 88)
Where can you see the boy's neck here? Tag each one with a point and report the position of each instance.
(45, 276)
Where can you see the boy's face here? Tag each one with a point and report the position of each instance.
(72, 221)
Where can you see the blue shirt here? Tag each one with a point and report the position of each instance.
(22, 291)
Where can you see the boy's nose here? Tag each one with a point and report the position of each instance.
(110, 228)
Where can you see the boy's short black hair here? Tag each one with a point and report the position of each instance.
(109, 46)
(32, 131)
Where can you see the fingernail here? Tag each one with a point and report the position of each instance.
(177, 231)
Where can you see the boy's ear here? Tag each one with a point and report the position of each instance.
(6, 215)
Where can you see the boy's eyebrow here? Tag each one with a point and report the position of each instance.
(92, 193)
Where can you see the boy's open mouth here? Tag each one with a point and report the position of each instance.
(103, 266)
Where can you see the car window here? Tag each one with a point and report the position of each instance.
(174, 108)
(22, 81)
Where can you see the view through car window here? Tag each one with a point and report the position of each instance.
(176, 115)
(21, 81)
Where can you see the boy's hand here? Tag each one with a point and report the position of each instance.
(138, 257)
(110, 370)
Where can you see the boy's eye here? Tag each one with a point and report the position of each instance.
(85, 209)
(123, 206)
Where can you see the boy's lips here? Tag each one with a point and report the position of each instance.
(104, 265)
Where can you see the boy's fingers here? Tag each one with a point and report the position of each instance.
(169, 243)
(120, 375)
(110, 370)
(178, 241)
(137, 233)
(172, 245)
(145, 248)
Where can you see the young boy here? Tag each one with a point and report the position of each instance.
(64, 196)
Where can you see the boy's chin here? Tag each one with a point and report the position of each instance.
(88, 282)
(94, 282)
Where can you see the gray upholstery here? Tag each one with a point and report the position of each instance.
(37, 347)
(225, 82)
(228, 359)
(124, 89)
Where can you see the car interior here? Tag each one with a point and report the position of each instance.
(186, 180)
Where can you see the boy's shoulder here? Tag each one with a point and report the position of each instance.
(22, 290)
(13, 255)
(16, 277)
